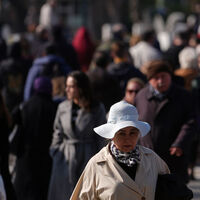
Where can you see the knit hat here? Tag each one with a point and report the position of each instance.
(156, 67)
(43, 85)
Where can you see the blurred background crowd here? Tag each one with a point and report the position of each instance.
(63, 64)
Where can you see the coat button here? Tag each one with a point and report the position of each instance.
(143, 198)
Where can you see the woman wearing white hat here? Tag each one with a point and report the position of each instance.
(123, 169)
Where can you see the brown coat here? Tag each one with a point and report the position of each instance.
(172, 123)
(103, 178)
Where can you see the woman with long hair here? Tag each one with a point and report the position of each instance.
(74, 141)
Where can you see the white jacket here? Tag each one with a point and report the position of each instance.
(103, 178)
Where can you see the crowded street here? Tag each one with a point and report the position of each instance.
(99, 100)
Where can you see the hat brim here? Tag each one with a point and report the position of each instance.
(108, 130)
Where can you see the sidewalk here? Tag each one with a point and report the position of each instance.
(195, 184)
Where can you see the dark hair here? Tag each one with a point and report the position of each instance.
(119, 49)
(182, 35)
(57, 32)
(84, 87)
(15, 50)
(101, 59)
(52, 69)
(148, 35)
(50, 48)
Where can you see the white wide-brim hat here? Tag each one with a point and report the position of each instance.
(122, 115)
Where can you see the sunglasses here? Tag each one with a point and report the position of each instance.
(132, 91)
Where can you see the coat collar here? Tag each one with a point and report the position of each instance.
(66, 117)
(105, 152)
(170, 94)
(119, 173)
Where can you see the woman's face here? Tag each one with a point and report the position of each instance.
(131, 91)
(71, 89)
(126, 139)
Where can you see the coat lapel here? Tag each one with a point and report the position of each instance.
(144, 168)
(66, 119)
(122, 176)
(169, 98)
(150, 96)
(161, 105)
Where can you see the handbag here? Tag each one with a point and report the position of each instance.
(171, 187)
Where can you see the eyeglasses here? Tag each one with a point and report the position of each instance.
(132, 91)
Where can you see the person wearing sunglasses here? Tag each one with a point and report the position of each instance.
(133, 86)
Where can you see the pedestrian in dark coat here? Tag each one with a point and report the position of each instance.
(169, 110)
(106, 88)
(33, 166)
(12, 79)
(5, 123)
(121, 68)
(48, 65)
(64, 48)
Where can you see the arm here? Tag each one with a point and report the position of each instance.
(184, 138)
(187, 131)
(57, 135)
(28, 88)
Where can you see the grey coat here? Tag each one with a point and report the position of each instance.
(71, 149)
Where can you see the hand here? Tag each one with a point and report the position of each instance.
(176, 151)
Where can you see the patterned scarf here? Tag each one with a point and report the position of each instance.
(129, 159)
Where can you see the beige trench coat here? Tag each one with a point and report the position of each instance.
(104, 179)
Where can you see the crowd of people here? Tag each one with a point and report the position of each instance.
(56, 93)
